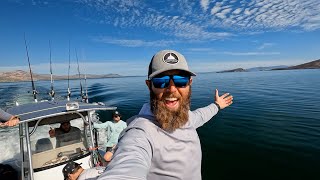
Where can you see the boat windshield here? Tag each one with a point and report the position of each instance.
(56, 143)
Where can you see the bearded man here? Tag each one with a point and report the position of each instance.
(161, 143)
(65, 134)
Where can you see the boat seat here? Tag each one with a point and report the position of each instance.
(43, 144)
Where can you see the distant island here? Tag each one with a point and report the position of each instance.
(20, 75)
(233, 70)
(309, 65)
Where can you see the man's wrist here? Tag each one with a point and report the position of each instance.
(14, 118)
(218, 106)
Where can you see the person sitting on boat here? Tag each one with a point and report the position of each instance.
(65, 134)
(114, 128)
(74, 171)
(8, 172)
(10, 119)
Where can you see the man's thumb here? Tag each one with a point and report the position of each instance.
(217, 93)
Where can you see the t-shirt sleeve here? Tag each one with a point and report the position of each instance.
(132, 158)
(91, 174)
(202, 115)
(124, 125)
(101, 126)
(4, 116)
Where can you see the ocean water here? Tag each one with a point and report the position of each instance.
(271, 131)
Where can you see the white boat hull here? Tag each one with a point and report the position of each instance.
(56, 172)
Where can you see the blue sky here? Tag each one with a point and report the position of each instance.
(120, 36)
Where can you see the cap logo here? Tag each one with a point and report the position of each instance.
(170, 58)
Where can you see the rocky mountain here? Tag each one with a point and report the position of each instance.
(268, 68)
(310, 65)
(233, 70)
(20, 75)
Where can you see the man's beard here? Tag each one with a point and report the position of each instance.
(170, 120)
(66, 130)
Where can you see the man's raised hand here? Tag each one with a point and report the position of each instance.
(223, 101)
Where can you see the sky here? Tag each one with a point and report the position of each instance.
(121, 36)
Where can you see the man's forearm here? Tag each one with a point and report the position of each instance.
(5, 116)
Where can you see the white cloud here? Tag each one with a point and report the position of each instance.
(106, 67)
(226, 11)
(247, 12)
(186, 19)
(133, 42)
(200, 49)
(237, 11)
(215, 9)
(231, 53)
(246, 53)
(265, 45)
(221, 15)
(204, 4)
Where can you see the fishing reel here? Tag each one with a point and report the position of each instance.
(52, 93)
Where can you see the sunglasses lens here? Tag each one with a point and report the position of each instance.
(161, 82)
(180, 81)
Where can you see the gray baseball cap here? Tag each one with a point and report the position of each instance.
(166, 60)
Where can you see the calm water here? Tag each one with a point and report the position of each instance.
(271, 131)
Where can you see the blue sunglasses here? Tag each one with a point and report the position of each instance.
(164, 81)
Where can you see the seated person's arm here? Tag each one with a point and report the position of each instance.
(102, 125)
(13, 121)
(52, 132)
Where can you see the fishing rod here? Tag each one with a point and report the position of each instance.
(51, 93)
(86, 98)
(69, 91)
(34, 91)
(81, 89)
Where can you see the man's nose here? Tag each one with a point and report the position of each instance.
(171, 87)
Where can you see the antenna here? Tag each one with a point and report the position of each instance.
(34, 91)
(81, 90)
(51, 93)
(69, 91)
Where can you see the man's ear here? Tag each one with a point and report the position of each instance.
(69, 176)
(190, 81)
(148, 83)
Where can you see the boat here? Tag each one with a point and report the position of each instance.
(41, 156)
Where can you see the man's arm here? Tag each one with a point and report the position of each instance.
(13, 121)
(202, 115)
(52, 132)
(132, 158)
(5, 116)
(10, 119)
